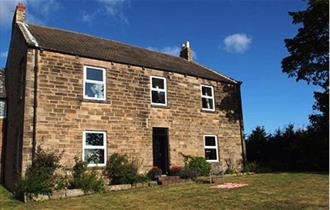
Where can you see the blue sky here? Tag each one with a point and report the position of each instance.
(240, 38)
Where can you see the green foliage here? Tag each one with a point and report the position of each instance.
(250, 167)
(288, 149)
(39, 177)
(188, 173)
(202, 167)
(61, 182)
(309, 58)
(142, 178)
(120, 170)
(154, 173)
(87, 180)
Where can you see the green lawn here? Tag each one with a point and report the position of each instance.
(265, 191)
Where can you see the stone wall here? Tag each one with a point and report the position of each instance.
(127, 115)
(15, 85)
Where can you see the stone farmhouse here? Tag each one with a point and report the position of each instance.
(90, 97)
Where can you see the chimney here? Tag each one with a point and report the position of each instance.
(19, 15)
(186, 51)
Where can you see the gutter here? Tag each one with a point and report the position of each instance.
(35, 102)
(241, 123)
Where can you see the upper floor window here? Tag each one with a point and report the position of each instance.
(2, 108)
(94, 148)
(207, 98)
(158, 91)
(211, 148)
(94, 83)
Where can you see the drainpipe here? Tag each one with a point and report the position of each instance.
(241, 123)
(35, 102)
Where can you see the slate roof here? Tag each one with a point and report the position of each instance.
(104, 49)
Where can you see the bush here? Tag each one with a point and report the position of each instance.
(154, 173)
(142, 178)
(175, 170)
(39, 177)
(88, 181)
(120, 170)
(61, 182)
(202, 167)
(250, 167)
(188, 173)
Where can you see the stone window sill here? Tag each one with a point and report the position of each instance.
(159, 106)
(209, 111)
(94, 101)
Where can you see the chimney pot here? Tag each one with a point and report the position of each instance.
(19, 13)
(21, 7)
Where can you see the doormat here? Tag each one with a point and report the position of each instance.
(229, 186)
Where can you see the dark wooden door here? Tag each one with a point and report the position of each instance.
(160, 148)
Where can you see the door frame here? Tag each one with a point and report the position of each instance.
(166, 157)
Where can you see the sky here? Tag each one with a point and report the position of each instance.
(243, 39)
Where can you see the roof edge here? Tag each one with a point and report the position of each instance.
(29, 38)
(220, 74)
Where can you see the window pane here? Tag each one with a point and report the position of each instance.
(94, 74)
(158, 83)
(2, 109)
(210, 154)
(94, 90)
(209, 141)
(94, 156)
(207, 103)
(94, 139)
(206, 91)
(158, 97)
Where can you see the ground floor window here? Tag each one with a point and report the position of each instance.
(94, 148)
(211, 148)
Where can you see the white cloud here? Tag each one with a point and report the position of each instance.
(38, 10)
(7, 9)
(86, 17)
(171, 50)
(115, 8)
(44, 7)
(237, 43)
(3, 54)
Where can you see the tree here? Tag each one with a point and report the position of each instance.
(255, 145)
(309, 56)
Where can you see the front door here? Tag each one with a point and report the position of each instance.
(160, 148)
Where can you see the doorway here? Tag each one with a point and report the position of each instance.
(160, 149)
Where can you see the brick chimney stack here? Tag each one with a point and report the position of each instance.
(19, 15)
(186, 51)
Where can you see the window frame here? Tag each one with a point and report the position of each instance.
(207, 97)
(4, 109)
(158, 89)
(211, 147)
(104, 82)
(104, 147)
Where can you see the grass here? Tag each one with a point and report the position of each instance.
(265, 191)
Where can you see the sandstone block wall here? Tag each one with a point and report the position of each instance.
(127, 115)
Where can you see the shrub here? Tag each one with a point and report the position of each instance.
(175, 170)
(250, 167)
(88, 181)
(61, 182)
(142, 178)
(154, 173)
(39, 177)
(188, 173)
(120, 170)
(199, 163)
